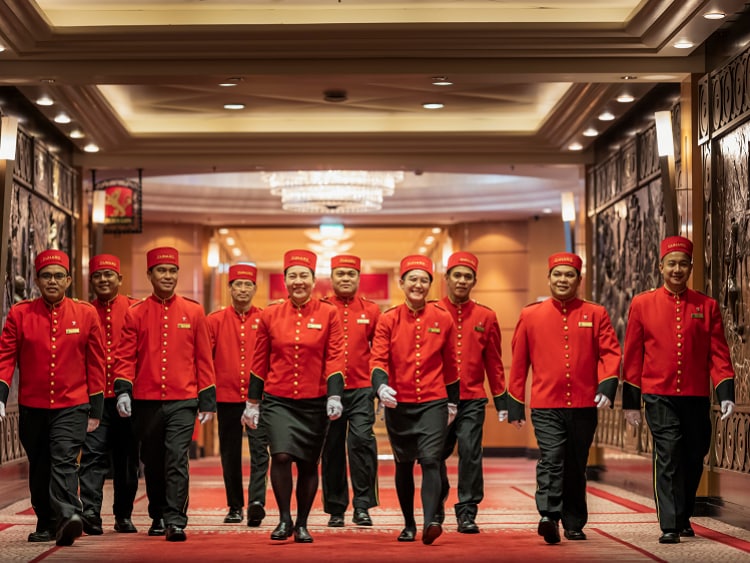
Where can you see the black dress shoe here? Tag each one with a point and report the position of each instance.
(157, 527)
(466, 524)
(431, 532)
(687, 532)
(92, 524)
(574, 535)
(301, 535)
(669, 537)
(125, 526)
(234, 516)
(175, 533)
(255, 514)
(361, 517)
(282, 531)
(41, 536)
(549, 530)
(336, 521)
(407, 534)
(70, 530)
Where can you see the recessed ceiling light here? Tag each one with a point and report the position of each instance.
(91, 147)
(227, 84)
(575, 147)
(45, 101)
(233, 81)
(606, 116)
(628, 77)
(2, 47)
(429, 240)
(590, 132)
(77, 134)
(62, 118)
(436, 230)
(432, 105)
(422, 250)
(715, 15)
(625, 98)
(223, 231)
(237, 252)
(229, 241)
(441, 81)
(234, 106)
(547, 210)
(684, 44)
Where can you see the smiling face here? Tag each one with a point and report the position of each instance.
(564, 282)
(105, 284)
(459, 281)
(675, 269)
(53, 281)
(416, 285)
(163, 278)
(299, 282)
(345, 282)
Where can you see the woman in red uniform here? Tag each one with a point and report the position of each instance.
(413, 366)
(297, 371)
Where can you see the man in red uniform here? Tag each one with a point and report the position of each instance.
(352, 432)
(56, 342)
(233, 331)
(114, 439)
(414, 374)
(478, 353)
(164, 362)
(675, 351)
(573, 353)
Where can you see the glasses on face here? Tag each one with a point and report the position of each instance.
(57, 276)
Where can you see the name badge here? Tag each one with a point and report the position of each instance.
(183, 325)
(316, 326)
(479, 328)
(72, 331)
(363, 321)
(434, 329)
(585, 324)
(696, 316)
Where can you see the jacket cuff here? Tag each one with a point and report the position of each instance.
(608, 388)
(516, 410)
(453, 390)
(255, 389)
(379, 377)
(631, 397)
(123, 386)
(4, 392)
(97, 406)
(725, 390)
(335, 384)
(501, 401)
(207, 399)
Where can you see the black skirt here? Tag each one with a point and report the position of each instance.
(417, 431)
(296, 427)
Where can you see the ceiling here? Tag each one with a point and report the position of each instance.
(140, 79)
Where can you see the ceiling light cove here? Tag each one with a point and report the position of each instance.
(433, 105)
(234, 106)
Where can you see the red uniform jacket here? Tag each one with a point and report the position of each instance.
(358, 319)
(233, 342)
(298, 350)
(165, 353)
(478, 350)
(573, 353)
(112, 317)
(675, 345)
(59, 352)
(417, 351)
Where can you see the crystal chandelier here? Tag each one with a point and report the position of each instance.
(333, 191)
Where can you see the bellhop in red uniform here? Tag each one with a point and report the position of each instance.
(164, 361)
(114, 438)
(297, 370)
(478, 357)
(233, 330)
(675, 352)
(352, 432)
(414, 374)
(56, 343)
(574, 357)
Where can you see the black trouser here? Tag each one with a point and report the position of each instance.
(165, 429)
(229, 416)
(53, 439)
(112, 443)
(467, 431)
(351, 433)
(681, 429)
(564, 437)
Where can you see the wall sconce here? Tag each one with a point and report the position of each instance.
(213, 258)
(665, 146)
(8, 136)
(568, 206)
(98, 207)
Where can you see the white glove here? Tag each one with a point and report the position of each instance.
(632, 416)
(602, 401)
(334, 408)
(92, 424)
(387, 396)
(452, 412)
(204, 417)
(251, 416)
(124, 405)
(2, 411)
(727, 408)
(502, 416)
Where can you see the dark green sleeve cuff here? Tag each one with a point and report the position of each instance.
(335, 384)
(97, 406)
(516, 410)
(4, 392)
(123, 386)
(453, 390)
(255, 389)
(207, 399)
(608, 388)
(725, 390)
(501, 402)
(631, 397)
(379, 377)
